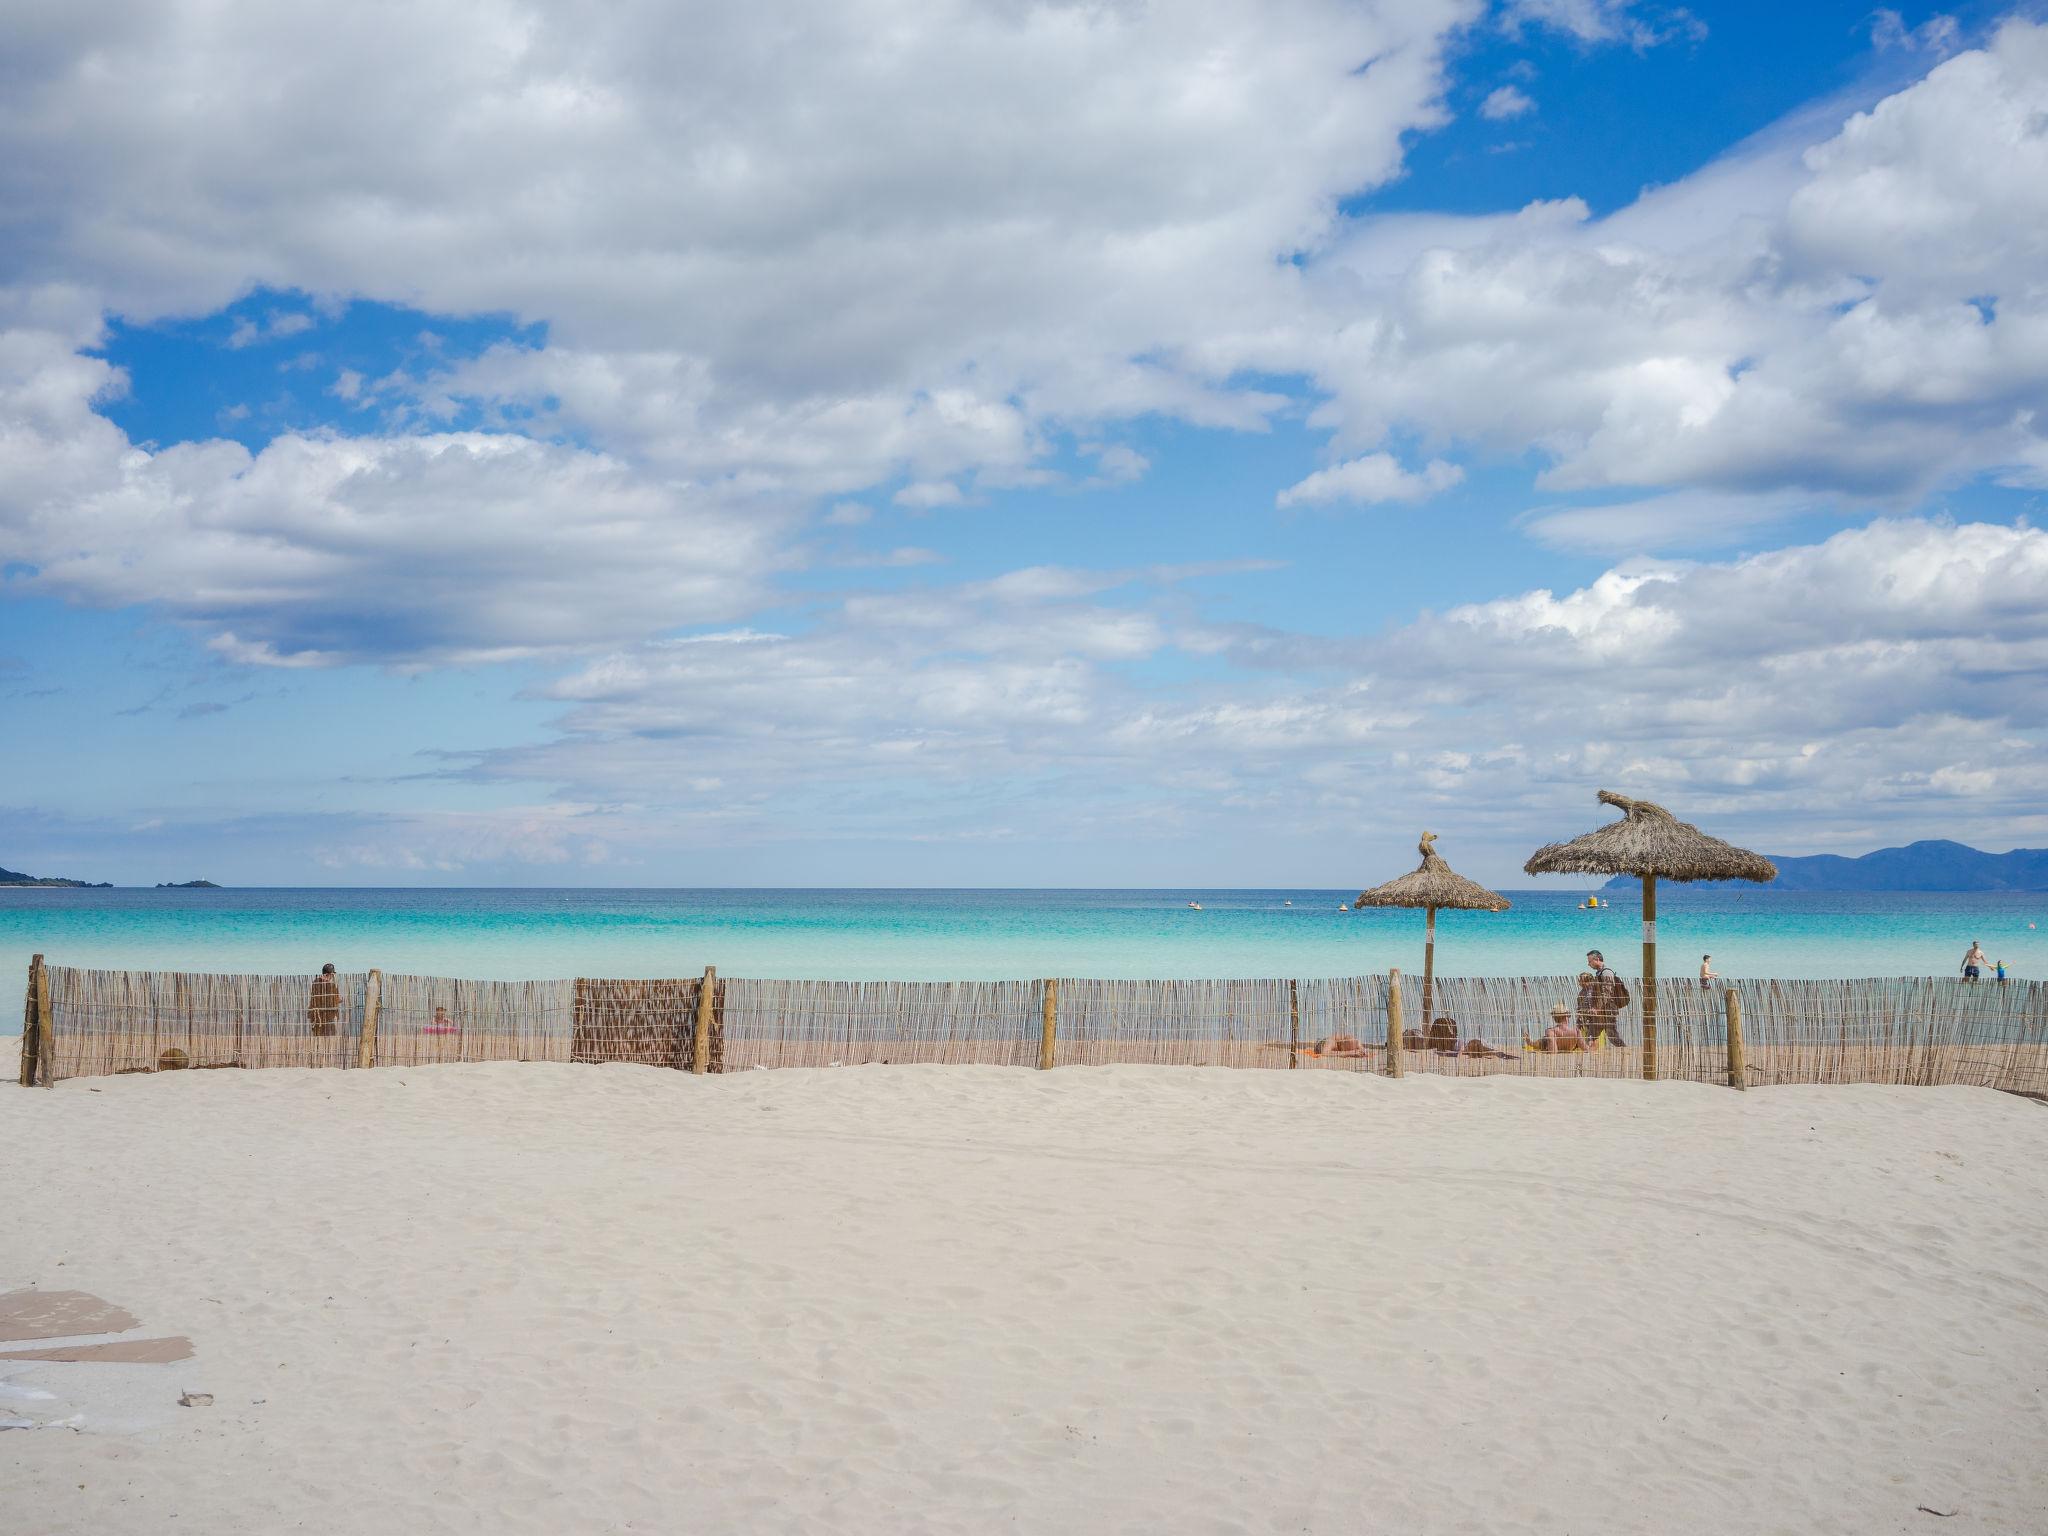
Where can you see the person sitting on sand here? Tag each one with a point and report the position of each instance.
(442, 1024)
(323, 1008)
(1442, 1036)
(1563, 1034)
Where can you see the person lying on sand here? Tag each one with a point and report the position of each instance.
(1443, 1039)
(1563, 1034)
(1330, 1045)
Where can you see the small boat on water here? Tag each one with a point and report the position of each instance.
(1194, 906)
(1346, 907)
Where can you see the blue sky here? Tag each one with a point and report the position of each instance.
(989, 445)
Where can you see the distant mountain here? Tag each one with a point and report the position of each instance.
(186, 885)
(16, 877)
(1934, 865)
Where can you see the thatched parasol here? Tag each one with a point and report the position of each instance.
(1430, 885)
(1649, 842)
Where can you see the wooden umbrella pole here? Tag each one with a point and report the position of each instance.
(1428, 970)
(1737, 1076)
(1650, 977)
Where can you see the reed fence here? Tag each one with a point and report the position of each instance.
(1906, 1030)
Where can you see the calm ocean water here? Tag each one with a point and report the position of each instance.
(974, 935)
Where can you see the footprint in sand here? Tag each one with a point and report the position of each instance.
(57, 1331)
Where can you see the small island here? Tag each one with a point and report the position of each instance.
(186, 885)
(15, 877)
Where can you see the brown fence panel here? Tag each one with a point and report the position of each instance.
(653, 1023)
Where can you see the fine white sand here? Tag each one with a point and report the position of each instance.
(533, 1298)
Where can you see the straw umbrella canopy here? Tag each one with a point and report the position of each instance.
(1650, 843)
(1432, 884)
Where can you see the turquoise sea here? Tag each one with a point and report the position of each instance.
(979, 935)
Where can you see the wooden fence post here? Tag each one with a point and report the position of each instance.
(1048, 1024)
(31, 1026)
(46, 1031)
(1393, 1023)
(373, 997)
(1293, 1027)
(707, 991)
(1737, 1077)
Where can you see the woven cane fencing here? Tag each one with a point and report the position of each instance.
(1908, 1030)
(426, 1019)
(106, 1022)
(852, 1023)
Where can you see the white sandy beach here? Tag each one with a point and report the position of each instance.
(538, 1298)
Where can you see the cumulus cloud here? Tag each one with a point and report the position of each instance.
(788, 251)
(1373, 478)
(322, 548)
(1826, 685)
(1867, 320)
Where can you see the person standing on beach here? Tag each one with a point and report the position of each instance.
(1602, 996)
(323, 1009)
(1707, 976)
(1973, 962)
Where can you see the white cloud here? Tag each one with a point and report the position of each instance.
(1938, 35)
(275, 326)
(1898, 669)
(1680, 519)
(322, 548)
(1374, 478)
(1868, 321)
(1505, 102)
(1632, 22)
(925, 494)
(886, 241)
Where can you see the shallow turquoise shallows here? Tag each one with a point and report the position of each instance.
(978, 935)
